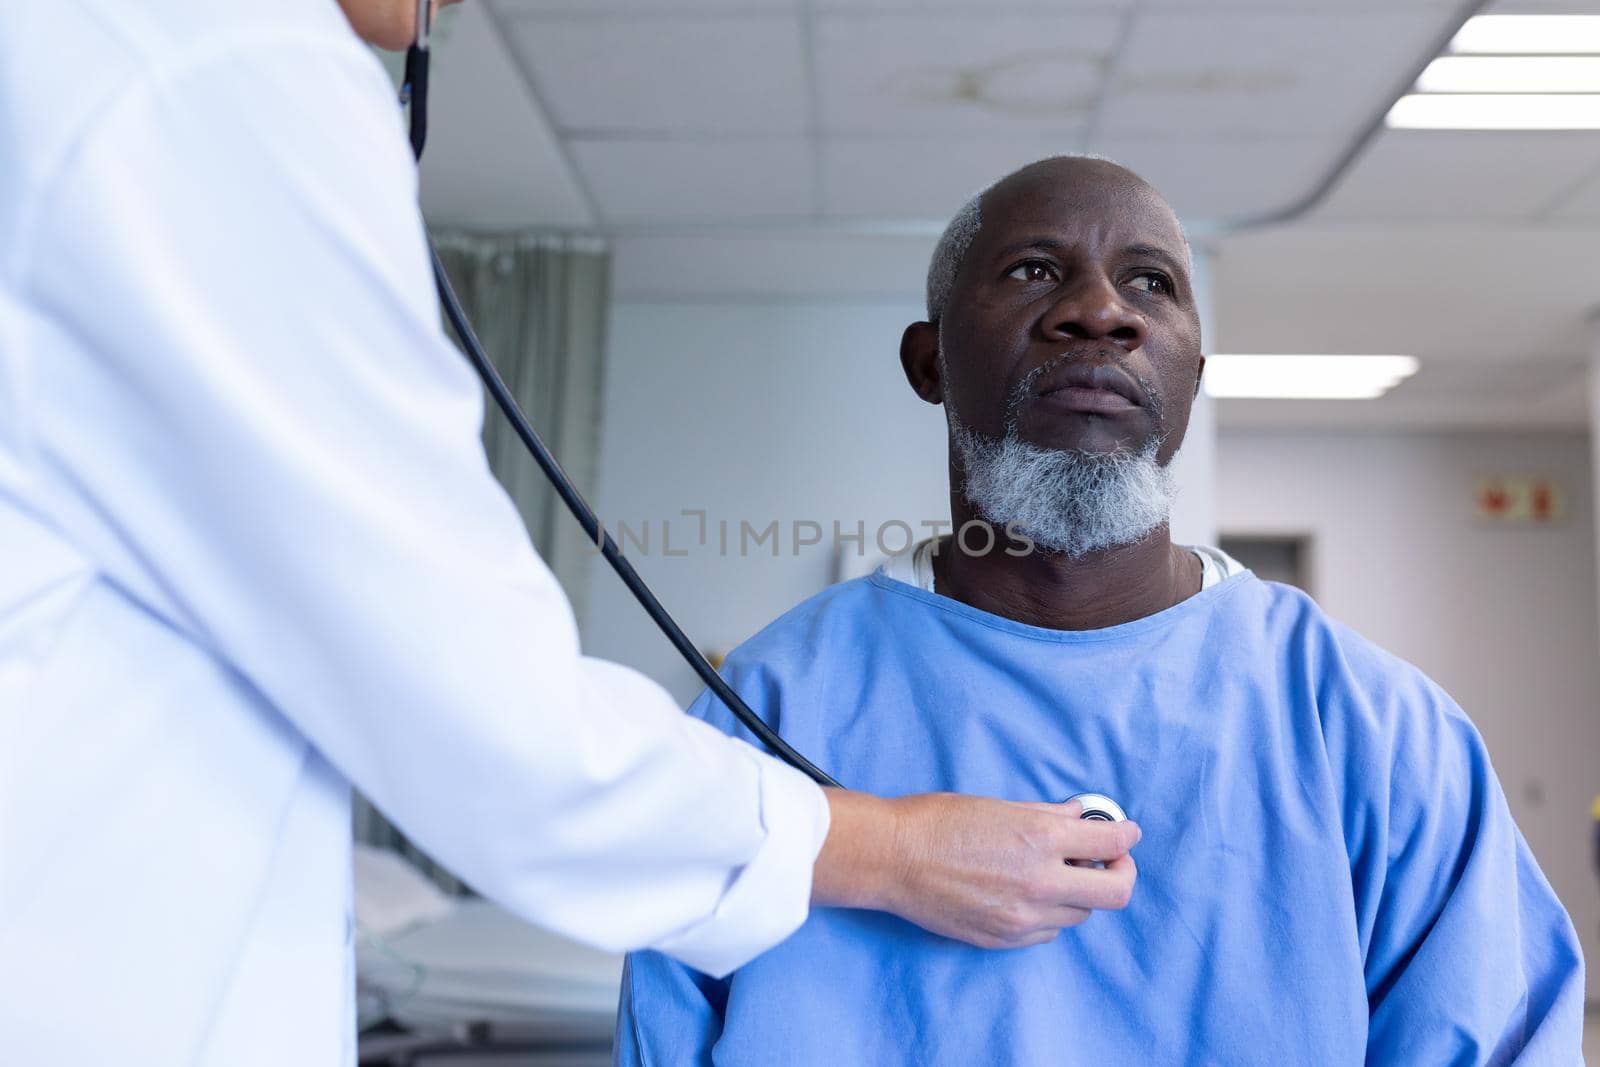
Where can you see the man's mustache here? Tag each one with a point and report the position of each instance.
(1024, 391)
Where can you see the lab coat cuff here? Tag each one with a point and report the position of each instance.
(769, 897)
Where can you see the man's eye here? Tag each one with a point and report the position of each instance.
(1152, 282)
(1034, 270)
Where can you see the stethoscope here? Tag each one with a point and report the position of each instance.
(414, 96)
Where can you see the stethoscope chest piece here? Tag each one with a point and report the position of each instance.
(1098, 807)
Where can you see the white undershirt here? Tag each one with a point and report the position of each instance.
(915, 567)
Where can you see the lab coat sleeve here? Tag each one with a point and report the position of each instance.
(277, 451)
(1469, 956)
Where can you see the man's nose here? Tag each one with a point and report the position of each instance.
(1093, 310)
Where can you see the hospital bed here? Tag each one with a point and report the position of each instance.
(457, 981)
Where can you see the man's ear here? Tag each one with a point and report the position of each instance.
(919, 357)
(1199, 374)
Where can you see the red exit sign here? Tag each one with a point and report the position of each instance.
(1520, 501)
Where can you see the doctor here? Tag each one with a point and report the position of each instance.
(250, 554)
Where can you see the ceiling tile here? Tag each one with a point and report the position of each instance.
(1541, 7)
(547, 8)
(922, 178)
(1583, 205)
(1505, 377)
(697, 181)
(969, 7)
(1237, 72)
(481, 110)
(1357, 7)
(1207, 182)
(948, 74)
(672, 75)
(1225, 180)
(1417, 175)
(1439, 293)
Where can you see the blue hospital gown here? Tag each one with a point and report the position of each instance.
(1329, 872)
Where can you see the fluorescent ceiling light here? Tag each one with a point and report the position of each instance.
(1522, 34)
(1511, 74)
(1487, 111)
(1305, 377)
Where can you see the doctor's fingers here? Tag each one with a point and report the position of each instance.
(1098, 889)
(1085, 839)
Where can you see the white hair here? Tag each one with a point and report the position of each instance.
(963, 229)
(950, 251)
(1068, 501)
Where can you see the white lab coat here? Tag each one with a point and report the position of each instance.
(250, 552)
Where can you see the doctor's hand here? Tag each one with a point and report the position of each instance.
(988, 872)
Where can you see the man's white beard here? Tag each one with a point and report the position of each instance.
(1068, 501)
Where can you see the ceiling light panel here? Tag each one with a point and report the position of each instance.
(1529, 34)
(1511, 74)
(1505, 111)
(1305, 377)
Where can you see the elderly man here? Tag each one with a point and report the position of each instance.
(1329, 872)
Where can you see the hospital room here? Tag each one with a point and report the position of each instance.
(692, 232)
(1183, 413)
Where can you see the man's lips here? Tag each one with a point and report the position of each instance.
(1091, 388)
(1087, 401)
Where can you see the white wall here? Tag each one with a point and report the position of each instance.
(1194, 513)
(1504, 619)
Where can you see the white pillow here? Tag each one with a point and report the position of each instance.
(391, 895)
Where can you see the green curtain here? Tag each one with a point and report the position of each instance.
(539, 305)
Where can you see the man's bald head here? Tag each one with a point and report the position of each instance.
(1067, 264)
(1091, 171)
(1064, 343)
